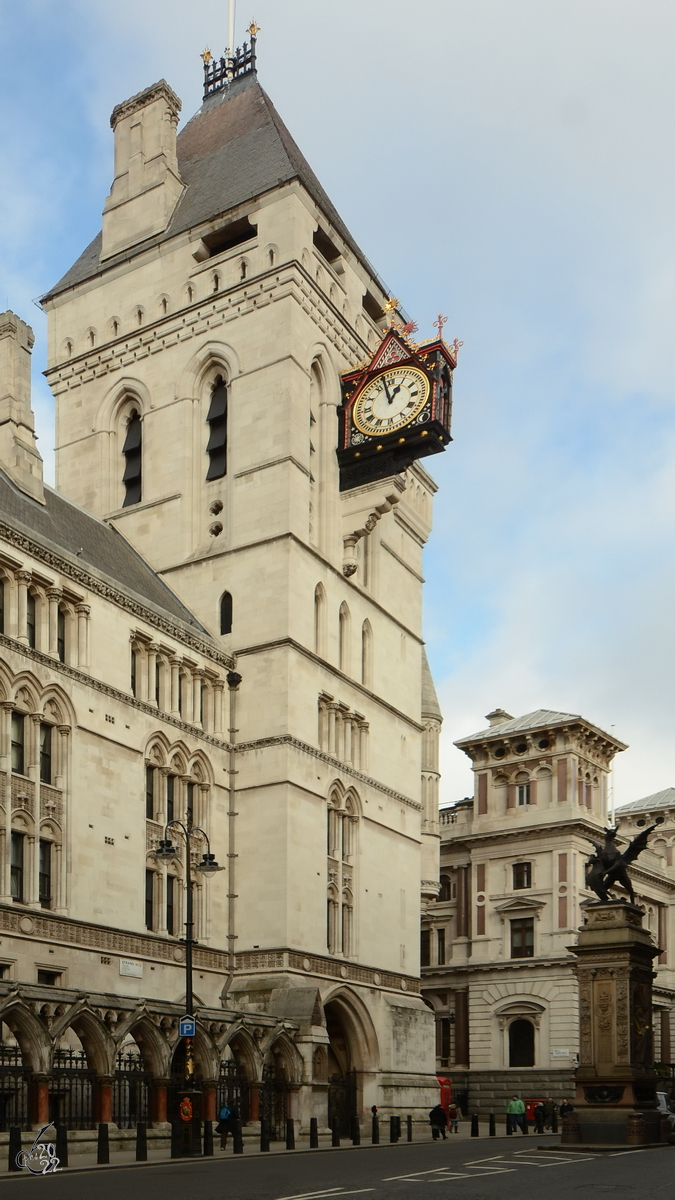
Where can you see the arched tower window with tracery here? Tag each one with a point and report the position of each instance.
(342, 832)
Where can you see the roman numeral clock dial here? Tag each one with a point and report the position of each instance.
(391, 401)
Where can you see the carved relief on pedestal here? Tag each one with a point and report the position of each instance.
(604, 1021)
(585, 1025)
(622, 1018)
(641, 1023)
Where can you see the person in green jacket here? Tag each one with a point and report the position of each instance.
(515, 1114)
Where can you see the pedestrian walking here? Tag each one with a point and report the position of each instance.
(227, 1117)
(438, 1120)
(539, 1116)
(453, 1118)
(549, 1110)
(566, 1108)
(515, 1114)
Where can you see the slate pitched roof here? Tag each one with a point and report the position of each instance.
(664, 799)
(61, 525)
(542, 717)
(234, 149)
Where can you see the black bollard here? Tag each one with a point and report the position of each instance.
(334, 1133)
(264, 1134)
(103, 1151)
(398, 1128)
(208, 1139)
(142, 1142)
(492, 1131)
(313, 1133)
(474, 1125)
(290, 1134)
(62, 1145)
(355, 1132)
(509, 1124)
(408, 1122)
(175, 1140)
(14, 1148)
(237, 1138)
(376, 1130)
(526, 1128)
(554, 1121)
(392, 1128)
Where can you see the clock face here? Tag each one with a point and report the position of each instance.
(391, 400)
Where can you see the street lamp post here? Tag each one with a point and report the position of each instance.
(190, 1095)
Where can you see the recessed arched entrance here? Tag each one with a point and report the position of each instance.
(521, 1043)
(342, 1099)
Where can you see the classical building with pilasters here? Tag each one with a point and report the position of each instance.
(496, 960)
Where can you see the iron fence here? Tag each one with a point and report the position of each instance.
(14, 1089)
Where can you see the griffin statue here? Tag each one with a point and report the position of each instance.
(607, 867)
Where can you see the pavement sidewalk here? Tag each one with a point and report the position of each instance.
(126, 1158)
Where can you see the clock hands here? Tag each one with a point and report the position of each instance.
(390, 395)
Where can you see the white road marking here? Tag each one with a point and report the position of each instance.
(326, 1195)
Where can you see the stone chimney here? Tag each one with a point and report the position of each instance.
(498, 717)
(19, 455)
(147, 185)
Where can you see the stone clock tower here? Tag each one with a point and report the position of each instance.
(196, 353)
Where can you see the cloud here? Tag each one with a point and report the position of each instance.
(509, 165)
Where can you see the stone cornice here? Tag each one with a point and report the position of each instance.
(434, 977)
(90, 681)
(311, 550)
(65, 931)
(572, 826)
(261, 647)
(253, 961)
(208, 314)
(287, 739)
(108, 591)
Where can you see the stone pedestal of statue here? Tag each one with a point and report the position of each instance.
(615, 1083)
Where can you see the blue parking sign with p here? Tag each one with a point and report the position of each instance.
(187, 1027)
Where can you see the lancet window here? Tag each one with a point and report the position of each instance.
(342, 830)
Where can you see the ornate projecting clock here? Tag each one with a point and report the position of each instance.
(395, 409)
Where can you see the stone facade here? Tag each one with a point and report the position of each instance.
(195, 353)
(496, 944)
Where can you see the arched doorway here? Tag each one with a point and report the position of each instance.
(341, 1073)
(72, 1085)
(521, 1043)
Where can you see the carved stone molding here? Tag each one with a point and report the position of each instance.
(93, 584)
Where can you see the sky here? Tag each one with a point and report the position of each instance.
(509, 163)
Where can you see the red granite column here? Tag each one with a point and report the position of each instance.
(103, 1100)
(39, 1100)
(253, 1102)
(209, 1100)
(158, 1099)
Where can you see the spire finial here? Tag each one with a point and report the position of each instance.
(390, 307)
(206, 57)
(439, 323)
(254, 28)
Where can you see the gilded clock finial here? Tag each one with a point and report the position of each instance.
(390, 307)
(456, 345)
(438, 324)
(254, 28)
(206, 57)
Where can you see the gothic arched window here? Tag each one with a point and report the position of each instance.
(226, 613)
(132, 451)
(216, 447)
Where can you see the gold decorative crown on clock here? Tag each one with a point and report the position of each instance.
(395, 409)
